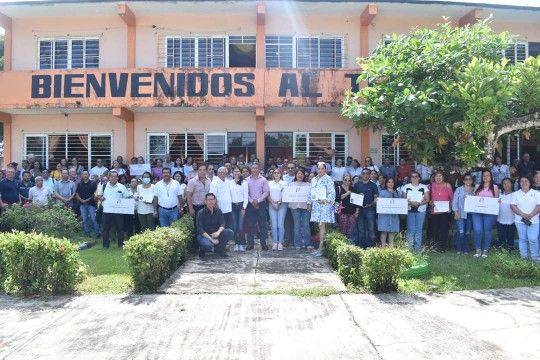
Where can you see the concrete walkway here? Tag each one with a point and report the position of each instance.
(501, 324)
(254, 272)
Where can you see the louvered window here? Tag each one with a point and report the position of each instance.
(195, 51)
(517, 52)
(331, 146)
(68, 53)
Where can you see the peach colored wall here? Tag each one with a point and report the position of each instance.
(314, 122)
(202, 121)
(58, 123)
(151, 41)
(523, 31)
(111, 30)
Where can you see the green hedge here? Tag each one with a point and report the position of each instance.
(53, 220)
(375, 269)
(153, 255)
(505, 264)
(33, 263)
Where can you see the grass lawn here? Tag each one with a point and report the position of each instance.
(452, 272)
(108, 272)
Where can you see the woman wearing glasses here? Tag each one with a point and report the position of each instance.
(483, 223)
(346, 210)
(417, 195)
(462, 219)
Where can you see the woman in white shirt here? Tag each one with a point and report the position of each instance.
(505, 221)
(338, 171)
(526, 206)
(118, 168)
(145, 208)
(418, 196)
(277, 209)
(239, 197)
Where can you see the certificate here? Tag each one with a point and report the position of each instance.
(392, 206)
(441, 206)
(296, 194)
(119, 206)
(481, 205)
(138, 169)
(357, 199)
(415, 196)
(318, 193)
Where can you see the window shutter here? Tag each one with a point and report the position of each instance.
(100, 148)
(91, 53)
(340, 147)
(61, 54)
(37, 145)
(279, 51)
(45, 54)
(215, 147)
(300, 145)
(157, 147)
(77, 54)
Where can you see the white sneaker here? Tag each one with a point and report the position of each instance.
(478, 254)
(485, 254)
(241, 248)
(274, 247)
(310, 247)
(280, 247)
(236, 247)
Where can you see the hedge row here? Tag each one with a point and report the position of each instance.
(153, 255)
(33, 263)
(506, 264)
(376, 269)
(53, 220)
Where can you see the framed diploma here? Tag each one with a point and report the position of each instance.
(357, 199)
(392, 206)
(481, 205)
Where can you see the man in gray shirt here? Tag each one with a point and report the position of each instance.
(64, 190)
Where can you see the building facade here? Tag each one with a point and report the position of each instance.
(97, 79)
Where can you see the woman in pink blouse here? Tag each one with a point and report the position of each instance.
(483, 223)
(441, 200)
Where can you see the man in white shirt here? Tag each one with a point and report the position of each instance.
(354, 169)
(290, 174)
(338, 171)
(98, 170)
(425, 173)
(39, 195)
(48, 181)
(499, 171)
(113, 190)
(167, 199)
(220, 188)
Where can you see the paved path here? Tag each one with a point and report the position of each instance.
(487, 325)
(254, 272)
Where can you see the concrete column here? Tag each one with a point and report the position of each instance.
(261, 64)
(260, 128)
(366, 18)
(129, 18)
(6, 24)
(5, 119)
(129, 117)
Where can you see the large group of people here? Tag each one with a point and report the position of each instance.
(240, 199)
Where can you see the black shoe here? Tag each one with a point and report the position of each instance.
(202, 254)
(264, 246)
(249, 247)
(222, 255)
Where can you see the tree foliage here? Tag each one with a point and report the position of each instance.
(448, 92)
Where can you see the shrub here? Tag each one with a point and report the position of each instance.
(349, 260)
(334, 240)
(153, 255)
(511, 266)
(39, 264)
(382, 268)
(53, 220)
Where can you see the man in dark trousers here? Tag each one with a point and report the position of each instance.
(211, 230)
(364, 234)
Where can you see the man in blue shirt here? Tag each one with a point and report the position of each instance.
(364, 233)
(388, 170)
(9, 189)
(24, 186)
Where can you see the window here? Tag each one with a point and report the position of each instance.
(330, 146)
(534, 48)
(242, 51)
(202, 147)
(278, 144)
(241, 143)
(195, 51)
(279, 51)
(393, 148)
(315, 52)
(68, 53)
(517, 52)
(49, 149)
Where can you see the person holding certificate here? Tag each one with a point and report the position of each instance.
(526, 206)
(323, 195)
(277, 209)
(441, 198)
(483, 223)
(462, 218)
(418, 196)
(366, 212)
(347, 213)
(388, 224)
(300, 214)
(112, 190)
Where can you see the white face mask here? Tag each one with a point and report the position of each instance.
(146, 180)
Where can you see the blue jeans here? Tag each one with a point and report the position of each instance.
(463, 233)
(415, 223)
(237, 223)
(528, 240)
(505, 233)
(206, 245)
(167, 217)
(483, 224)
(365, 223)
(302, 234)
(257, 216)
(277, 221)
(88, 214)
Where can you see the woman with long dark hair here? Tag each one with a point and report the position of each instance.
(483, 223)
(463, 220)
(300, 213)
(346, 212)
(440, 221)
(505, 220)
(239, 196)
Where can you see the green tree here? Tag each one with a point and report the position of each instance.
(447, 92)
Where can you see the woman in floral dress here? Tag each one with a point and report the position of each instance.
(323, 195)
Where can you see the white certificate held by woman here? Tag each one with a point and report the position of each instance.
(441, 206)
(392, 206)
(357, 199)
(295, 194)
(481, 205)
(318, 193)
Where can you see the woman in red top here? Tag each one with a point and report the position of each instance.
(440, 220)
